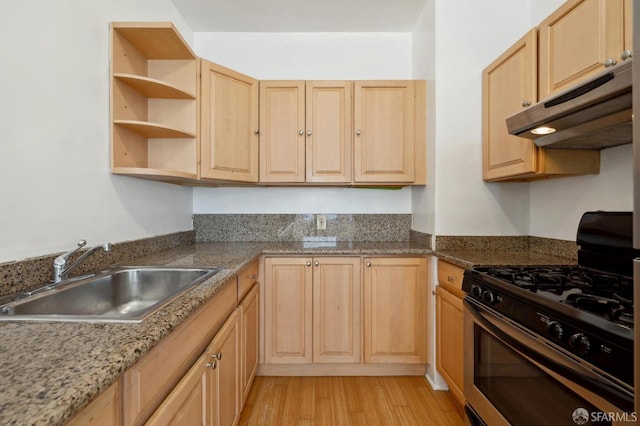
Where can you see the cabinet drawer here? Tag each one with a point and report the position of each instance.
(450, 277)
(246, 279)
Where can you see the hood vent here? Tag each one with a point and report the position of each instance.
(592, 115)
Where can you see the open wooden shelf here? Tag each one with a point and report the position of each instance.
(155, 40)
(153, 130)
(156, 174)
(152, 88)
(154, 111)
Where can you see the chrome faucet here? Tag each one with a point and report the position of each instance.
(60, 268)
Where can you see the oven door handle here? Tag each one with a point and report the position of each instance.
(601, 386)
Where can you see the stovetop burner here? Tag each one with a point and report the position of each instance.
(606, 295)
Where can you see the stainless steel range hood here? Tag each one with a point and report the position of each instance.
(592, 115)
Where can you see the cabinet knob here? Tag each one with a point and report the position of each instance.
(450, 278)
(308, 132)
(526, 104)
(358, 132)
(626, 55)
(309, 263)
(368, 264)
(301, 132)
(253, 276)
(316, 263)
(214, 360)
(609, 62)
(257, 131)
(434, 292)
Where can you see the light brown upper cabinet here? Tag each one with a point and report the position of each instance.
(384, 132)
(228, 124)
(509, 84)
(305, 131)
(579, 39)
(153, 102)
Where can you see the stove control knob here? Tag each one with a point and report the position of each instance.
(476, 291)
(554, 329)
(580, 343)
(490, 297)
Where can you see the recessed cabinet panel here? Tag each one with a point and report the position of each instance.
(336, 312)
(450, 341)
(509, 84)
(328, 130)
(578, 40)
(395, 305)
(282, 131)
(384, 131)
(229, 124)
(288, 310)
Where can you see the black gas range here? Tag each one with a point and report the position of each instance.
(584, 311)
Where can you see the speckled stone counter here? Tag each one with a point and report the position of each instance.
(50, 371)
(479, 258)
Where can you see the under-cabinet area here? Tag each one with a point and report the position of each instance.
(186, 120)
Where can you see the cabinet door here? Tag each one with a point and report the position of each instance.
(329, 134)
(282, 131)
(628, 28)
(336, 309)
(187, 403)
(229, 124)
(249, 348)
(384, 132)
(577, 40)
(288, 310)
(450, 341)
(509, 84)
(223, 379)
(395, 310)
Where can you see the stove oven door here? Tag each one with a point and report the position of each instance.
(513, 378)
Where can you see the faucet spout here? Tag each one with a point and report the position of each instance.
(60, 268)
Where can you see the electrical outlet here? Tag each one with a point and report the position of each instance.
(321, 222)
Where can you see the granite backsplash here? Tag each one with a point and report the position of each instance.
(301, 227)
(30, 274)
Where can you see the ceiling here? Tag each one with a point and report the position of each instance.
(300, 15)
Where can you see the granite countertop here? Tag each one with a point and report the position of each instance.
(480, 258)
(50, 371)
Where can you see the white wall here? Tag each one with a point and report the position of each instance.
(423, 54)
(467, 39)
(54, 163)
(307, 56)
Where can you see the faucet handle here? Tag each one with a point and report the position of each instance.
(61, 260)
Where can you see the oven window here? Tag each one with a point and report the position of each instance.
(520, 391)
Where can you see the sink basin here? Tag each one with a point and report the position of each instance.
(127, 294)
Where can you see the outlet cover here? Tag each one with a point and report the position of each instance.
(321, 222)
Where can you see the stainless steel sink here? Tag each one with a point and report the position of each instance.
(127, 294)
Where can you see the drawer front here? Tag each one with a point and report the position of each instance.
(246, 279)
(450, 277)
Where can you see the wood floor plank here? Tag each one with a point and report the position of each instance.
(349, 401)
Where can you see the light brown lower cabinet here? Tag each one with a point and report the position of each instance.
(312, 310)
(209, 394)
(104, 410)
(345, 315)
(450, 328)
(249, 323)
(395, 310)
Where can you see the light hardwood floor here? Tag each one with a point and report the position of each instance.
(363, 401)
